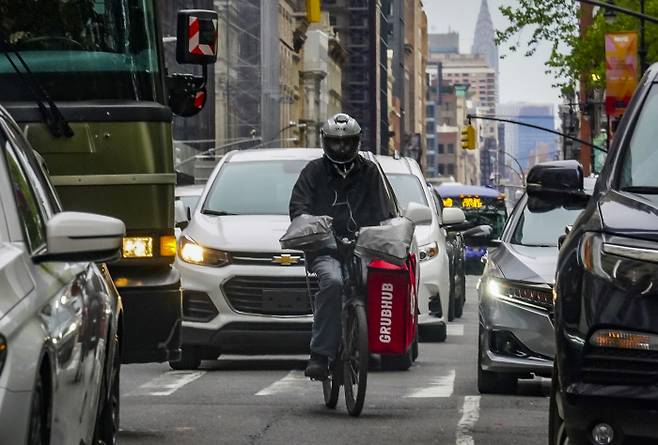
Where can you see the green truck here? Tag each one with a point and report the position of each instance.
(87, 82)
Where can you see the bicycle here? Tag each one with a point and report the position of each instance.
(350, 368)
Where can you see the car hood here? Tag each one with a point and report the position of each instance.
(630, 215)
(526, 263)
(239, 233)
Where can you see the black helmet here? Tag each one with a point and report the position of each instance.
(341, 138)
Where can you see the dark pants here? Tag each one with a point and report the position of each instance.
(328, 304)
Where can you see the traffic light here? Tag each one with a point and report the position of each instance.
(313, 12)
(469, 138)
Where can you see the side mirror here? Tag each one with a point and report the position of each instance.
(196, 37)
(555, 178)
(479, 236)
(453, 217)
(181, 214)
(418, 213)
(74, 236)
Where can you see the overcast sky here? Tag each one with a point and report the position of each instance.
(521, 79)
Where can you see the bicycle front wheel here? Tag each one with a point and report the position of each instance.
(355, 361)
(331, 386)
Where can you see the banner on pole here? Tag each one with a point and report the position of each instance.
(621, 65)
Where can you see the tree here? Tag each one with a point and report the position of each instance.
(556, 22)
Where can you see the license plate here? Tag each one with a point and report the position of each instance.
(289, 301)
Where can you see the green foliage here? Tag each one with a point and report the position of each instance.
(556, 22)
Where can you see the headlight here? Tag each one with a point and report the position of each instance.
(627, 267)
(3, 351)
(193, 253)
(428, 251)
(137, 247)
(506, 290)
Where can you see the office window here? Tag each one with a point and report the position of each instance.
(441, 148)
(451, 169)
(442, 169)
(451, 148)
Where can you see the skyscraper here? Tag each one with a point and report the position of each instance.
(484, 43)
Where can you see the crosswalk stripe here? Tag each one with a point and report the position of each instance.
(439, 387)
(470, 415)
(455, 329)
(293, 382)
(167, 383)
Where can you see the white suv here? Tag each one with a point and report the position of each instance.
(410, 185)
(241, 293)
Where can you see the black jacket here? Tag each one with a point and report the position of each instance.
(359, 200)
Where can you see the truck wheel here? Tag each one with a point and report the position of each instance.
(189, 361)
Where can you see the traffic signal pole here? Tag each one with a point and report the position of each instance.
(536, 127)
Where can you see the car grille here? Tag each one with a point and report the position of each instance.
(620, 366)
(197, 306)
(263, 259)
(270, 295)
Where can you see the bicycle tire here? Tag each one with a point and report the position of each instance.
(355, 364)
(331, 386)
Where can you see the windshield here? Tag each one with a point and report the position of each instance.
(253, 188)
(408, 189)
(543, 228)
(641, 158)
(82, 49)
(496, 219)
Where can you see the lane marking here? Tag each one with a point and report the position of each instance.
(167, 383)
(294, 382)
(440, 387)
(470, 415)
(455, 329)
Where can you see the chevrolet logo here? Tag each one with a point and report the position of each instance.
(286, 260)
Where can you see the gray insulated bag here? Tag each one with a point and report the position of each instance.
(310, 234)
(389, 241)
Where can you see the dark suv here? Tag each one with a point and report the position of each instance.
(605, 383)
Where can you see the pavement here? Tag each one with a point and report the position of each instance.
(266, 400)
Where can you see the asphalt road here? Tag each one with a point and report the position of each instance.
(266, 400)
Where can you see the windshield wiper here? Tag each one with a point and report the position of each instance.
(217, 212)
(641, 189)
(52, 116)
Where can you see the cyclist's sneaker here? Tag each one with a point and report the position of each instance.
(317, 367)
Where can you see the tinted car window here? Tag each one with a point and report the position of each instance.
(543, 228)
(254, 188)
(641, 158)
(408, 189)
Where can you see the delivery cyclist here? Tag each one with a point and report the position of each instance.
(349, 188)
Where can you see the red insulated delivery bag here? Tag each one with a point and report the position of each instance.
(391, 307)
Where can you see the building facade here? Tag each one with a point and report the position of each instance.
(359, 26)
(529, 146)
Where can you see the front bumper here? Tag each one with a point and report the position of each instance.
(433, 292)
(152, 313)
(14, 416)
(529, 330)
(636, 418)
(240, 332)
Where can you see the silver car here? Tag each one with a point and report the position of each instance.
(516, 337)
(59, 311)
